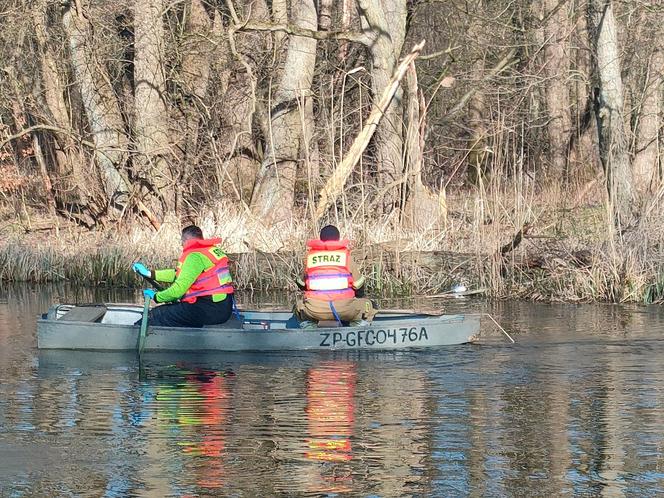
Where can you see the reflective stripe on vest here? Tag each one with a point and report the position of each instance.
(222, 289)
(213, 281)
(327, 275)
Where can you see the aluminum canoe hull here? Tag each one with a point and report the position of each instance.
(258, 331)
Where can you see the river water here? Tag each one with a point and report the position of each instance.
(575, 407)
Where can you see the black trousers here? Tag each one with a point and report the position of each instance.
(203, 312)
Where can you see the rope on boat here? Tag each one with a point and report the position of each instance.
(501, 329)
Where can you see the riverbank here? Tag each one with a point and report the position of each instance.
(511, 251)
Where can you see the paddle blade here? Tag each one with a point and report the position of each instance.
(144, 326)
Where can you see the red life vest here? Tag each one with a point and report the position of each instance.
(327, 274)
(216, 279)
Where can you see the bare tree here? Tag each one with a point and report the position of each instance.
(647, 155)
(69, 162)
(479, 161)
(385, 23)
(150, 102)
(583, 153)
(421, 208)
(273, 195)
(557, 65)
(101, 106)
(198, 49)
(613, 141)
(241, 109)
(54, 95)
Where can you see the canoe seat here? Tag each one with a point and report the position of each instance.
(327, 324)
(84, 314)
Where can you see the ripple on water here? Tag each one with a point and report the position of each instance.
(575, 407)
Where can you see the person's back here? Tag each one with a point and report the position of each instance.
(330, 283)
(201, 288)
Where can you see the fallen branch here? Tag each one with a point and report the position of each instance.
(291, 29)
(504, 63)
(510, 246)
(42, 127)
(334, 185)
(148, 214)
(501, 329)
(474, 292)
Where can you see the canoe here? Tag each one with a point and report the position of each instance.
(109, 327)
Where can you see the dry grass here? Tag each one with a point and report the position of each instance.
(569, 254)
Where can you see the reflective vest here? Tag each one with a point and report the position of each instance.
(216, 279)
(327, 274)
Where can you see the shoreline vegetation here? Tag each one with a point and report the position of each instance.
(507, 252)
(512, 146)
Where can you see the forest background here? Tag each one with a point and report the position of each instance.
(521, 151)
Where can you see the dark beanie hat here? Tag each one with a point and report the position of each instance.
(329, 232)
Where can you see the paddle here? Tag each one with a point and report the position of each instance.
(410, 312)
(144, 321)
(153, 283)
(144, 327)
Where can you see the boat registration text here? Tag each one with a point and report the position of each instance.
(373, 337)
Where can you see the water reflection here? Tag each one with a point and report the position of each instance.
(193, 412)
(330, 408)
(330, 421)
(575, 407)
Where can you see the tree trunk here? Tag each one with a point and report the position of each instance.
(101, 106)
(273, 196)
(650, 118)
(43, 171)
(54, 92)
(348, 8)
(198, 49)
(414, 137)
(478, 148)
(53, 87)
(478, 158)
(71, 183)
(280, 16)
(239, 107)
(613, 142)
(325, 14)
(421, 208)
(386, 22)
(557, 67)
(150, 109)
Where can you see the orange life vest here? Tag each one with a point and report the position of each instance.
(216, 279)
(327, 274)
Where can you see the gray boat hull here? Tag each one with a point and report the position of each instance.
(258, 331)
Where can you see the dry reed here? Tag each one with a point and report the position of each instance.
(568, 255)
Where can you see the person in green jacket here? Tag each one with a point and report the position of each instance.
(201, 287)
